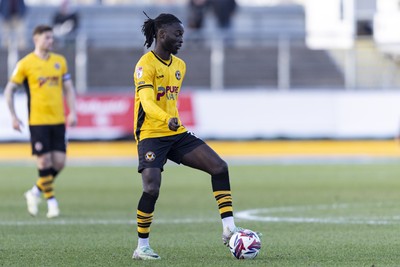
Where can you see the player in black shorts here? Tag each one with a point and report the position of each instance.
(160, 134)
(170, 147)
(46, 138)
(46, 79)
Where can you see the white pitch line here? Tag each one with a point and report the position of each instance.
(259, 215)
(59, 221)
(266, 215)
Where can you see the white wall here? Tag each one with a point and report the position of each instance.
(302, 114)
(246, 114)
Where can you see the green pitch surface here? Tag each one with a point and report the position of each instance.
(310, 215)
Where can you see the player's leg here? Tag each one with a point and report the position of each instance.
(42, 185)
(205, 158)
(151, 180)
(194, 152)
(40, 148)
(57, 147)
(152, 154)
(58, 159)
(48, 144)
(46, 183)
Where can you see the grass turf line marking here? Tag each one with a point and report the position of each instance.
(266, 215)
(60, 221)
(258, 215)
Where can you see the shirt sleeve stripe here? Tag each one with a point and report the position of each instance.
(144, 86)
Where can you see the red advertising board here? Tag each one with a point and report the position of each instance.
(109, 116)
(186, 111)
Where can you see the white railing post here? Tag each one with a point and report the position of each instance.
(12, 55)
(283, 62)
(350, 75)
(81, 63)
(217, 63)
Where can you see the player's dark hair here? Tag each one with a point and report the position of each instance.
(41, 29)
(151, 26)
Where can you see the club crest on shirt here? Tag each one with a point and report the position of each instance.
(150, 156)
(57, 66)
(139, 72)
(178, 75)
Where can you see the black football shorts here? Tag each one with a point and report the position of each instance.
(47, 138)
(154, 152)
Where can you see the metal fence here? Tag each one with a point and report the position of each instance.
(217, 64)
(265, 49)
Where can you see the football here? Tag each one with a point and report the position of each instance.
(245, 244)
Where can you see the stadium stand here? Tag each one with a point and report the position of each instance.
(115, 43)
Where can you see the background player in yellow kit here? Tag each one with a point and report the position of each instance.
(160, 134)
(45, 77)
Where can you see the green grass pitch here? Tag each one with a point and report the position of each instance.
(310, 215)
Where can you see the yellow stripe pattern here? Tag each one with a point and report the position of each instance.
(46, 185)
(224, 201)
(144, 221)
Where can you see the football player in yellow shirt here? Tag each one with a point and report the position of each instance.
(160, 134)
(46, 79)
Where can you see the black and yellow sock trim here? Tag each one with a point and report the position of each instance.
(224, 201)
(222, 193)
(45, 183)
(144, 221)
(144, 214)
(54, 172)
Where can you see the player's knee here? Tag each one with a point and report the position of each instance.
(58, 166)
(151, 178)
(153, 191)
(44, 161)
(58, 160)
(223, 167)
(220, 167)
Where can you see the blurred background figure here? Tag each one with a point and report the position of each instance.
(223, 11)
(13, 23)
(65, 24)
(197, 12)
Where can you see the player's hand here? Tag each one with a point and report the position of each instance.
(72, 119)
(173, 124)
(17, 124)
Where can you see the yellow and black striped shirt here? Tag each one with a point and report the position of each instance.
(43, 80)
(158, 83)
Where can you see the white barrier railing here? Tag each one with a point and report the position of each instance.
(241, 114)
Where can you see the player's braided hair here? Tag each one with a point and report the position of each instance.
(151, 26)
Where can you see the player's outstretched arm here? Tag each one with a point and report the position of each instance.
(151, 108)
(9, 95)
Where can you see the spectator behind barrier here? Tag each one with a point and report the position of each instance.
(65, 24)
(13, 24)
